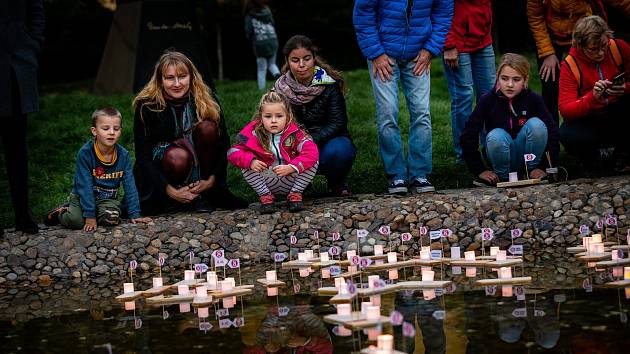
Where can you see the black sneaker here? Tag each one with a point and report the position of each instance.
(52, 217)
(422, 185)
(398, 186)
(202, 205)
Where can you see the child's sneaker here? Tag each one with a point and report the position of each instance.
(111, 218)
(52, 217)
(398, 186)
(422, 185)
(267, 205)
(295, 201)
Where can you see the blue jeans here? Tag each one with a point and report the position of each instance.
(262, 65)
(416, 90)
(475, 75)
(506, 155)
(335, 160)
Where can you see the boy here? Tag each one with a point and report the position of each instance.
(102, 165)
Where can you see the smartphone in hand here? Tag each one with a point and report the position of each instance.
(619, 79)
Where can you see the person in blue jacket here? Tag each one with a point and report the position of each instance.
(102, 166)
(399, 38)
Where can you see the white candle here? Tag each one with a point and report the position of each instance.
(513, 176)
(372, 279)
(304, 272)
(157, 282)
(507, 291)
(471, 272)
(494, 250)
(301, 256)
(426, 254)
(455, 253)
(626, 273)
(308, 254)
(375, 300)
(596, 238)
(385, 342)
(428, 294)
(325, 273)
(271, 276)
(202, 312)
(130, 305)
(127, 288)
(364, 307)
(427, 275)
(505, 273)
(392, 274)
(183, 308)
(272, 291)
(373, 333)
(391, 257)
(469, 255)
(202, 291)
(228, 302)
(323, 257)
(212, 280)
(501, 255)
(378, 250)
(350, 254)
(189, 274)
(183, 290)
(597, 248)
(614, 255)
(339, 282)
(343, 309)
(232, 281)
(373, 312)
(225, 285)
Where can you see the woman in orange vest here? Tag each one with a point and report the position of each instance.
(595, 95)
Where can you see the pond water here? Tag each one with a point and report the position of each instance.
(558, 313)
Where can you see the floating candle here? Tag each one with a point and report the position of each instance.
(507, 291)
(427, 275)
(130, 305)
(471, 272)
(455, 253)
(128, 288)
(375, 300)
(364, 307)
(596, 238)
(426, 254)
(309, 254)
(304, 272)
(372, 279)
(392, 274)
(157, 282)
(323, 257)
(505, 273)
(344, 309)
(501, 255)
(189, 274)
(270, 275)
(494, 250)
(428, 294)
(378, 250)
(373, 312)
(211, 277)
(385, 342)
(469, 255)
(301, 256)
(325, 273)
(201, 291)
(202, 312)
(183, 290)
(272, 291)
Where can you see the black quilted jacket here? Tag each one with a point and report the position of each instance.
(324, 117)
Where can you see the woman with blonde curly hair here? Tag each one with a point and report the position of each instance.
(180, 141)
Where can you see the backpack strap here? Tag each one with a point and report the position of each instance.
(615, 53)
(575, 69)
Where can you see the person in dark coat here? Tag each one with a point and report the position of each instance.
(517, 122)
(181, 142)
(259, 29)
(21, 39)
(316, 93)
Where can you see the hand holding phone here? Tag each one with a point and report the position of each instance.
(619, 79)
(617, 87)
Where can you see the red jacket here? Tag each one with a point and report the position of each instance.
(471, 28)
(575, 101)
(296, 147)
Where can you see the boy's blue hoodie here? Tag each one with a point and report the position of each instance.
(94, 180)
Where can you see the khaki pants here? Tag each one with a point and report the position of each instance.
(73, 217)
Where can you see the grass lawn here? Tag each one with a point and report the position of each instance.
(62, 126)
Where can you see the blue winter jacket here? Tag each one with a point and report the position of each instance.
(401, 28)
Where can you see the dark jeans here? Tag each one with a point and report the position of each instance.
(13, 137)
(335, 160)
(584, 136)
(550, 88)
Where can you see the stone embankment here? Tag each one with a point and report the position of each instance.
(548, 215)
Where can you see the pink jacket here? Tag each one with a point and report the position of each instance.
(296, 147)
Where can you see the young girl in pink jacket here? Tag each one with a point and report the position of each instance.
(275, 155)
